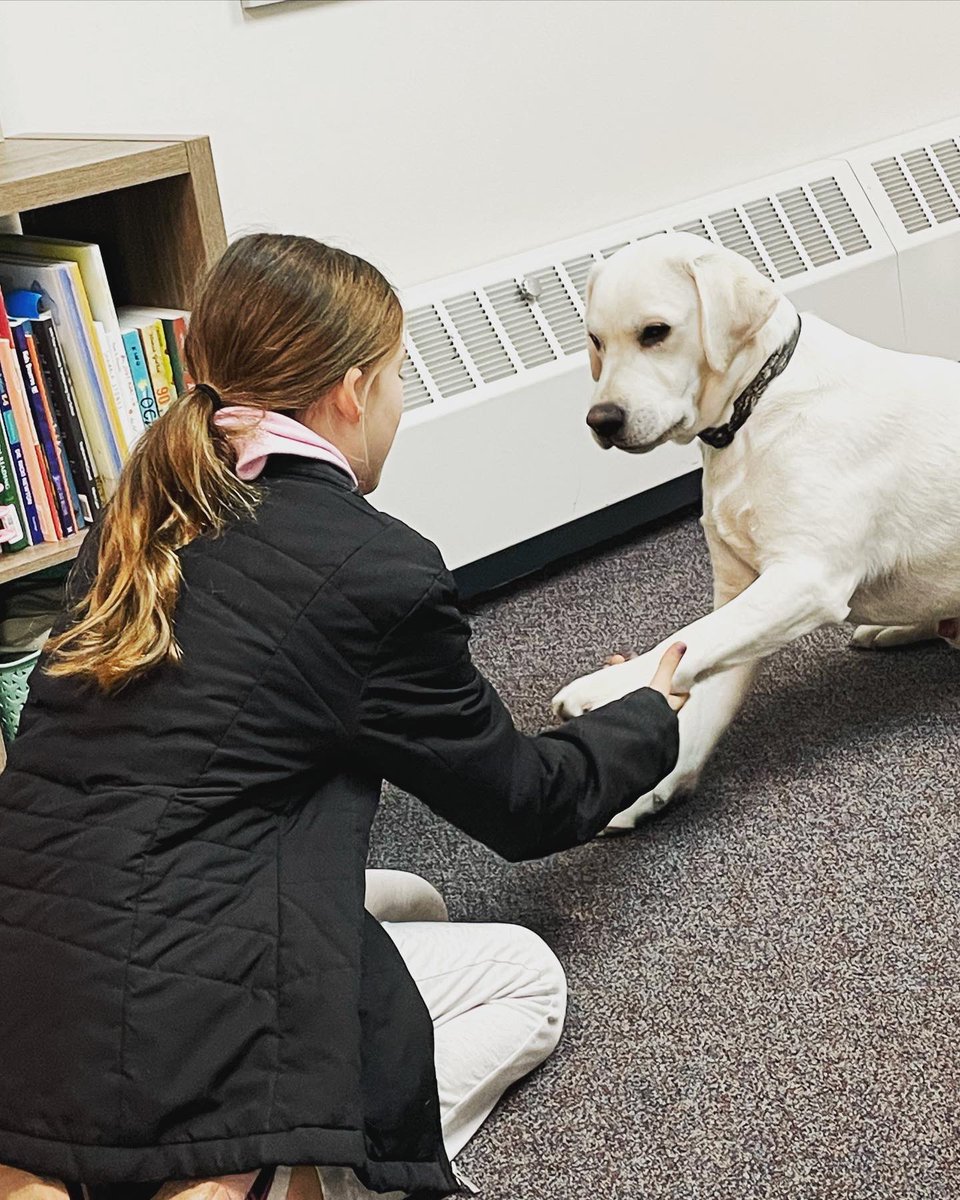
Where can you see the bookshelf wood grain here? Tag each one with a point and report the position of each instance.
(155, 213)
(37, 171)
(152, 205)
(36, 558)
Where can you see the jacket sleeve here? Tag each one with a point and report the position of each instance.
(431, 724)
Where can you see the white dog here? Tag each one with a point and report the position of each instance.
(831, 473)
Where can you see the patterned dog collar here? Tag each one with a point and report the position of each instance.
(719, 436)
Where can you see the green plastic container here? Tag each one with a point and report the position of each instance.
(15, 671)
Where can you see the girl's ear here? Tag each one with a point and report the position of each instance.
(347, 396)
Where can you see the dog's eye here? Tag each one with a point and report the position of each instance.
(653, 335)
(596, 342)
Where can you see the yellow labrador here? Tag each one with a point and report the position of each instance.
(831, 472)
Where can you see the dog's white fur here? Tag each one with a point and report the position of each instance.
(838, 499)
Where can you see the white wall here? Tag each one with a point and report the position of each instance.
(432, 135)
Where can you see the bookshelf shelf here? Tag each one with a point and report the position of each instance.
(150, 203)
(36, 171)
(36, 558)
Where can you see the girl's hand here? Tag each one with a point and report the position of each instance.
(663, 679)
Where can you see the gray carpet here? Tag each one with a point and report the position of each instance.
(765, 979)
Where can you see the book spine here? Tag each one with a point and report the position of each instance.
(49, 383)
(53, 448)
(21, 433)
(113, 404)
(53, 481)
(13, 518)
(175, 334)
(64, 403)
(114, 344)
(126, 404)
(158, 362)
(110, 458)
(133, 347)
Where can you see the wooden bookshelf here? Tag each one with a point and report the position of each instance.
(152, 205)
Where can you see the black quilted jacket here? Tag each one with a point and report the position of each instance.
(190, 985)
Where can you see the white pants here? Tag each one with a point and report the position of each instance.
(497, 996)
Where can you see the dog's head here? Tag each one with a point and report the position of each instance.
(666, 317)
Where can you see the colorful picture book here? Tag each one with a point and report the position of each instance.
(79, 382)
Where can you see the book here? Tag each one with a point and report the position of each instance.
(155, 352)
(175, 330)
(22, 434)
(126, 425)
(123, 408)
(95, 301)
(141, 375)
(54, 482)
(116, 385)
(50, 280)
(60, 390)
(14, 531)
(174, 321)
(50, 384)
(88, 280)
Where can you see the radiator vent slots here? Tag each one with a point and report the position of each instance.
(696, 227)
(839, 214)
(808, 227)
(480, 338)
(561, 313)
(415, 390)
(733, 234)
(485, 334)
(438, 353)
(523, 329)
(923, 184)
(577, 270)
(770, 229)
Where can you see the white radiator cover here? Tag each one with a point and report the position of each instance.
(493, 448)
(913, 183)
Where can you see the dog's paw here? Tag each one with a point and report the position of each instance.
(627, 821)
(865, 637)
(883, 637)
(589, 692)
(677, 786)
(604, 686)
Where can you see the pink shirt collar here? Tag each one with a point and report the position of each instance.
(257, 433)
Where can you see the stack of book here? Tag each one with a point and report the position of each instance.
(79, 382)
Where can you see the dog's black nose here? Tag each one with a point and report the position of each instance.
(606, 419)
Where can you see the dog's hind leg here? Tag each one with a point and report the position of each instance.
(882, 637)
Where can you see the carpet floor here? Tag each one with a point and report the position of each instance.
(765, 978)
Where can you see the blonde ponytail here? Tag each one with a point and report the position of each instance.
(178, 483)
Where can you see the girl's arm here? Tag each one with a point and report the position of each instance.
(430, 723)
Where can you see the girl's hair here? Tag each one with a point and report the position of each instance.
(279, 320)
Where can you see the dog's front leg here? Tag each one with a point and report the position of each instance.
(713, 702)
(710, 709)
(787, 600)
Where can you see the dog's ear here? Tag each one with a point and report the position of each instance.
(594, 356)
(595, 364)
(735, 302)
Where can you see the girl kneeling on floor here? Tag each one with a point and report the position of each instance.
(195, 1002)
